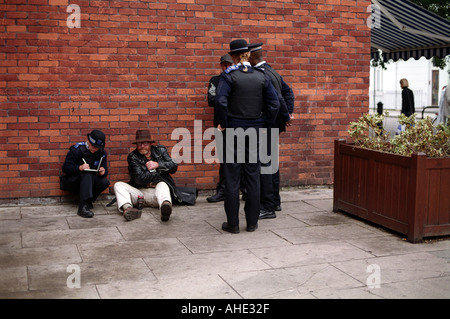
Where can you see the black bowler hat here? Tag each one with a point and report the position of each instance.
(97, 138)
(238, 46)
(255, 46)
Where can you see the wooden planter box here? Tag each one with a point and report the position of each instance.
(410, 195)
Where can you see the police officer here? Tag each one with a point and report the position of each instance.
(85, 171)
(270, 183)
(225, 63)
(245, 101)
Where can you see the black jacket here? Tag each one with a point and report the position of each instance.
(287, 96)
(257, 81)
(77, 153)
(408, 102)
(212, 87)
(141, 177)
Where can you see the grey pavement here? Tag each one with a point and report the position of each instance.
(307, 252)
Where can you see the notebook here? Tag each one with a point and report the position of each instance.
(93, 169)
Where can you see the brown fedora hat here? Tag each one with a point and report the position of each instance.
(143, 136)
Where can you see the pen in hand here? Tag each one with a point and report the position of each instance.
(84, 166)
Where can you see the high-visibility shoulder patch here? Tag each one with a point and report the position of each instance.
(79, 144)
(232, 68)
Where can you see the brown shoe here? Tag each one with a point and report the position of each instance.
(131, 213)
(166, 210)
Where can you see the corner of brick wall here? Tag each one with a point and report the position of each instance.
(146, 64)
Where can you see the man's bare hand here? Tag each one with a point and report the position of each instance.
(151, 165)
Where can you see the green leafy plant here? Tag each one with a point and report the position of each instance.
(418, 136)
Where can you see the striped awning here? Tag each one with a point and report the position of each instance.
(402, 29)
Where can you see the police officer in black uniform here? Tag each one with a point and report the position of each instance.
(225, 63)
(86, 170)
(270, 183)
(245, 101)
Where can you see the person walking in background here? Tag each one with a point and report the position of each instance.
(86, 169)
(407, 98)
(408, 108)
(245, 100)
(444, 107)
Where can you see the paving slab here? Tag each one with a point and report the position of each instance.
(35, 224)
(230, 242)
(43, 277)
(396, 268)
(213, 263)
(292, 282)
(393, 244)
(70, 236)
(431, 288)
(11, 212)
(205, 287)
(10, 240)
(13, 279)
(325, 233)
(132, 249)
(39, 256)
(310, 253)
(141, 231)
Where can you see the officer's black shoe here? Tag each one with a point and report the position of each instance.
(218, 197)
(230, 228)
(85, 212)
(278, 208)
(251, 228)
(264, 214)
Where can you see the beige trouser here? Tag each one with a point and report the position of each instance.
(153, 197)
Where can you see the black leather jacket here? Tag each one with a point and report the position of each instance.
(141, 176)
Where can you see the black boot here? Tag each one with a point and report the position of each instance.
(84, 211)
(264, 214)
(218, 197)
(230, 228)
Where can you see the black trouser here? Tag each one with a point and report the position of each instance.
(270, 183)
(251, 170)
(87, 184)
(221, 184)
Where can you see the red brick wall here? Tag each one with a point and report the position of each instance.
(146, 64)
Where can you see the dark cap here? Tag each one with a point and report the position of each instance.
(97, 138)
(238, 46)
(226, 58)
